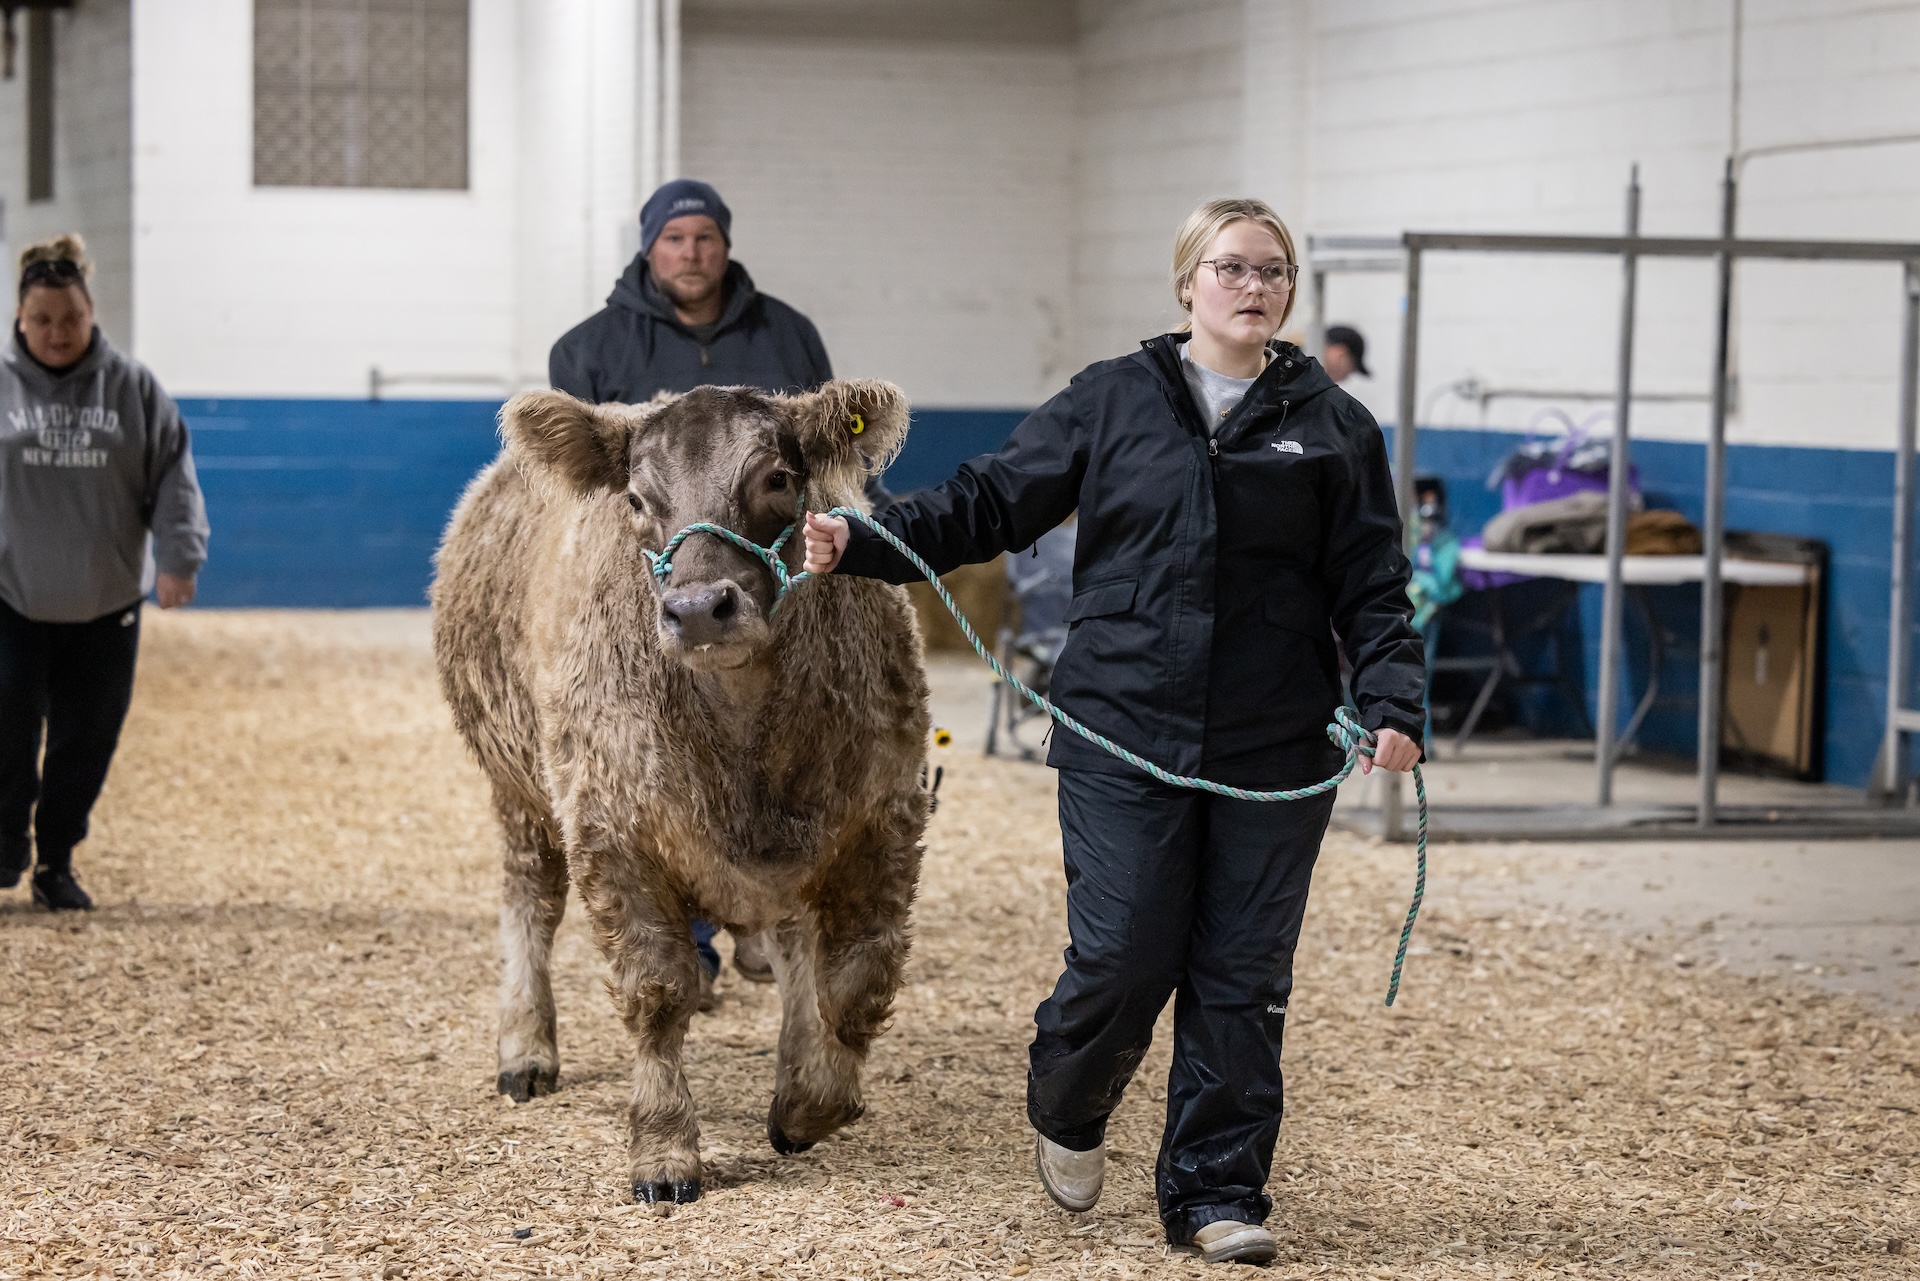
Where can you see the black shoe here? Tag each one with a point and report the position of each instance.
(15, 854)
(56, 890)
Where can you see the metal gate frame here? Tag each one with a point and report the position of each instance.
(1724, 249)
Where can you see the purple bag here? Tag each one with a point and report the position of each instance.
(1542, 469)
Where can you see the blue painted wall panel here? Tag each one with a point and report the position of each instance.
(331, 503)
(941, 439)
(340, 503)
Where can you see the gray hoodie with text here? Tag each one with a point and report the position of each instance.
(93, 458)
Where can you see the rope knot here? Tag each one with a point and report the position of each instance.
(784, 579)
(1347, 734)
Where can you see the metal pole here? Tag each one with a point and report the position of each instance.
(1900, 625)
(1613, 604)
(1403, 465)
(1404, 430)
(1317, 322)
(1713, 526)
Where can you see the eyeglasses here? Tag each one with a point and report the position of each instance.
(1232, 273)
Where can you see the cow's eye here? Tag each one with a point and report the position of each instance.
(633, 501)
(779, 481)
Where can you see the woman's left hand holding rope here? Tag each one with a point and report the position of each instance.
(826, 538)
(1392, 751)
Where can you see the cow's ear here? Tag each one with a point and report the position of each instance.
(581, 447)
(857, 422)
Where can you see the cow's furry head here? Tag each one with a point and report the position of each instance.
(729, 456)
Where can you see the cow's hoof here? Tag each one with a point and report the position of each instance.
(662, 1192)
(781, 1143)
(525, 1083)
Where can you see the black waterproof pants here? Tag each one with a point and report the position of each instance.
(1175, 892)
(76, 679)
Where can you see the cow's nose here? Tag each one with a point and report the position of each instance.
(701, 615)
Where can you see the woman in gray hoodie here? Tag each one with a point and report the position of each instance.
(99, 505)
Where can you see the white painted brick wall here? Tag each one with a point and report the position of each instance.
(92, 152)
(244, 290)
(913, 199)
(978, 220)
(1462, 115)
(1158, 130)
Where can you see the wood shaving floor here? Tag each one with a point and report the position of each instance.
(269, 1053)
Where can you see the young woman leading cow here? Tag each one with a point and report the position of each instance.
(1235, 514)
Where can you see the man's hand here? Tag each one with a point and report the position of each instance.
(826, 539)
(1393, 752)
(173, 591)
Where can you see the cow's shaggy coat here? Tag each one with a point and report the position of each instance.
(769, 781)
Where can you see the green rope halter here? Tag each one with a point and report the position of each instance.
(784, 579)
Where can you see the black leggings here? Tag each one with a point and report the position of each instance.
(1177, 893)
(77, 679)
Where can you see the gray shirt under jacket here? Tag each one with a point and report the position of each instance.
(1214, 393)
(93, 459)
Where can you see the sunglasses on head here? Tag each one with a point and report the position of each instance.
(51, 271)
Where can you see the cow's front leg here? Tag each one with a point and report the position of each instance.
(816, 1083)
(533, 897)
(642, 930)
(838, 974)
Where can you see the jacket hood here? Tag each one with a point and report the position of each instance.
(21, 362)
(1291, 372)
(636, 291)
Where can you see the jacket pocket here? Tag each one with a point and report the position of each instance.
(1098, 602)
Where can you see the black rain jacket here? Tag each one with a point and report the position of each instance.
(1209, 575)
(636, 346)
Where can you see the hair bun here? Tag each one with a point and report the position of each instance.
(66, 247)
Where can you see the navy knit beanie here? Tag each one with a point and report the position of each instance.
(679, 199)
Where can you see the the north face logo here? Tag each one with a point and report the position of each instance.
(1289, 447)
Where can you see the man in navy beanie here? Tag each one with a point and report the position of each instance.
(683, 315)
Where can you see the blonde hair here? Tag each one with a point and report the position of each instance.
(67, 247)
(1208, 221)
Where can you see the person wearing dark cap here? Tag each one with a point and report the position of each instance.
(1345, 354)
(684, 315)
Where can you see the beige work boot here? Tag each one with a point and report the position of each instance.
(1072, 1179)
(1231, 1241)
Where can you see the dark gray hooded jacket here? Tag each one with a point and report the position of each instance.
(636, 346)
(92, 459)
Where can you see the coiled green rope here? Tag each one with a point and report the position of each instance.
(1345, 732)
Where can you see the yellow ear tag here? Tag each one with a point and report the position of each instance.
(859, 424)
(942, 737)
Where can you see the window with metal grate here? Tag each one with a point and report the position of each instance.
(360, 93)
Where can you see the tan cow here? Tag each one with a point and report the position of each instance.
(679, 747)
